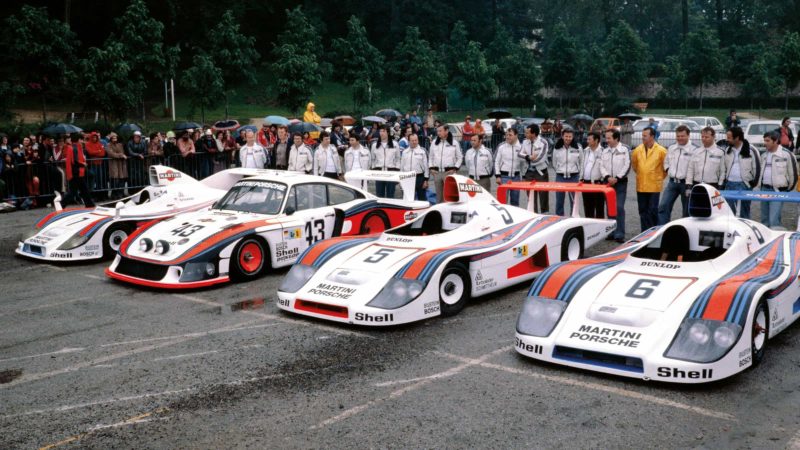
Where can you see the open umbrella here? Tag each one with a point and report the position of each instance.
(325, 122)
(581, 118)
(500, 114)
(182, 126)
(389, 114)
(303, 127)
(345, 120)
(253, 128)
(61, 128)
(374, 119)
(226, 125)
(127, 129)
(630, 116)
(276, 120)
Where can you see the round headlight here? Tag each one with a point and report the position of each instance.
(162, 247)
(414, 290)
(145, 245)
(210, 269)
(724, 337)
(699, 333)
(399, 289)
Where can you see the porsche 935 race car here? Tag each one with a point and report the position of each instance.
(92, 233)
(469, 245)
(262, 222)
(690, 302)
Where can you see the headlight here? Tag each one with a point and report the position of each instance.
(298, 275)
(29, 234)
(197, 271)
(397, 293)
(539, 316)
(162, 247)
(703, 341)
(145, 245)
(75, 241)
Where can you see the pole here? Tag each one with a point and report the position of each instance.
(172, 90)
(166, 95)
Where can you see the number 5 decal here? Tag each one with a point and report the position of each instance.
(379, 255)
(643, 288)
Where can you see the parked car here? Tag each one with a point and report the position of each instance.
(755, 129)
(708, 121)
(666, 129)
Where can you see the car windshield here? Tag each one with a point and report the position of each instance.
(758, 129)
(641, 125)
(262, 197)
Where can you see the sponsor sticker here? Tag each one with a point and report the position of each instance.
(332, 291)
(295, 233)
(521, 251)
(602, 335)
(169, 175)
(482, 282)
(262, 184)
(430, 308)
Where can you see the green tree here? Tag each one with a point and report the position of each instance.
(673, 86)
(8, 95)
(357, 58)
(519, 76)
(627, 58)
(473, 76)
(501, 45)
(757, 75)
(405, 53)
(700, 51)
(560, 55)
(104, 81)
(455, 49)
(591, 77)
(205, 81)
(42, 50)
(425, 76)
(789, 64)
(295, 60)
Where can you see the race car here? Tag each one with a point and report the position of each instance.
(79, 234)
(690, 302)
(262, 222)
(469, 245)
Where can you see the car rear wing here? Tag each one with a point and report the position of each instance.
(546, 186)
(406, 180)
(762, 196)
(165, 176)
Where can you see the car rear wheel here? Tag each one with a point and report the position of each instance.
(374, 222)
(572, 246)
(454, 289)
(760, 331)
(113, 238)
(248, 259)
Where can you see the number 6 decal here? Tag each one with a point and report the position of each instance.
(643, 288)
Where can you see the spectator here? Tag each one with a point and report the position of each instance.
(480, 166)
(404, 141)
(677, 162)
(594, 203)
(647, 160)
(32, 164)
(415, 118)
(732, 120)
(208, 147)
(507, 163)
(14, 174)
(651, 123)
(326, 159)
(252, 155)
(301, 159)
(76, 173)
(497, 133)
(466, 133)
(535, 151)
(95, 153)
(308, 140)
(567, 162)
(743, 167)
(626, 131)
(374, 134)
(282, 147)
(221, 159)
(188, 151)
(263, 135)
(415, 159)
(479, 130)
(5, 148)
(337, 138)
(385, 156)
(136, 150)
(787, 137)
(708, 163)
(616, 163)
(430, 122)
(56, 160)
(780, 175)
(445, 158)
(117, 167)
(155, 150)
(170, 147)
(311, 116)
(230, 149)
(558, 127)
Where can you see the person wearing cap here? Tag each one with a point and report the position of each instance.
(326, 159)
(96, 152)
(252, 155)
(479, 162)
(301, 159)
(311, 116)
(117, 166)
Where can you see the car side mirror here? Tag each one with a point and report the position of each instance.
(289, 210)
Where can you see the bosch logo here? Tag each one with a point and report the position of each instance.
(169, 175)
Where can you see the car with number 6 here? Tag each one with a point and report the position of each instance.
(262, 222)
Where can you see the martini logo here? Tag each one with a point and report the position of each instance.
(716, 200)
(409, 216)
(470, 187)
(169, 175)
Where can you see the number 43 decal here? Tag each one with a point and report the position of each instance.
(319, 227)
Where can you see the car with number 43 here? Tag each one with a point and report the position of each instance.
(467, 246)
(262, 222)
(690, 302)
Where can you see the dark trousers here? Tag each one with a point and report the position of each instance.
(541, 201)
(384, 189)
(77, 185)
(594, 205)
(671, 194)
(648, 208)
(331, 175)
(418, 189)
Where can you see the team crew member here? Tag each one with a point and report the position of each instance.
(743, 167)
(281, 148)
(780, 174)
(252, 155)
(677, 162)
(445, 159)
(415, 159)
(593, 203)
(300, 157)
(567, 161)
(616, 163)
(356, 158)
(480, 166)
(647, 160)
(75, 162)
(326, 158)
(507, 162)
(534, 151)
(708, 163)
(385, 156)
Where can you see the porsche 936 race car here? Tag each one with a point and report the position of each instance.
(469, 245)
(92, 233)
(690, 302)
(262, 222)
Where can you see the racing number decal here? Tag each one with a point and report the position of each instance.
(643, 288)
(319, 225)
(186, 230)
(379, 255)
(503, 213)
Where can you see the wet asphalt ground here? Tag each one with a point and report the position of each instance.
(87, 362)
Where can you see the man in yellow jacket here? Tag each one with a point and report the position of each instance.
(647, 160)
(311, 116)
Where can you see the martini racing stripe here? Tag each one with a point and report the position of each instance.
(370, 205)
(538, 226)
(794, 251)
(322, 251)
(58, 215)
(94, 226)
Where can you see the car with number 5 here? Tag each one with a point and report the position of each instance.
(690, 302)
(262, 222)
(467, 246)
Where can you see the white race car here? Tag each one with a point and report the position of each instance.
(263, 222)
(79, 234)
(467, 246)
(690, 302)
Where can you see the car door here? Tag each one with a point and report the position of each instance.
(315, 213)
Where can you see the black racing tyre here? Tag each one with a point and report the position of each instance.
(454, 289)
(760, 331)
(572, 245)
(374, 222)
(249, 259)
(114, 236)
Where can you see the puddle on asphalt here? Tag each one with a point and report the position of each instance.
(244, 305)
(7, 376)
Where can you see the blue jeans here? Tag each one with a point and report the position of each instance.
(739, 186)
(648, 209)
(621, 189)
(513, 194)
(671, 193)
(560, 197)
(770, 211)
(381, 189)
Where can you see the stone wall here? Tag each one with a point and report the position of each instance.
(651, 88)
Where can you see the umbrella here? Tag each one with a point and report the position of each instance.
(181, 126)
(500, 114)
(630, 116)
(127, 129)
(303, 127)
(581, 118)
(276, 120)
(226, 125)
(389, 114)
(345, 120)
(325, 122)
(374, 119)
(252, 128)
(61, 128)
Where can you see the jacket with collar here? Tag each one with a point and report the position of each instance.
(707, 166)
(749, 163)
(301, 159)
(350, 155)
(321, 156)
(783, 170)
(596, 171)
(678, 160)
(616, 162)
(649, 167)
(479, 162)
(445, 155)
(567, 160)
(385, 156)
